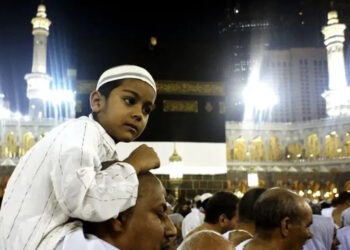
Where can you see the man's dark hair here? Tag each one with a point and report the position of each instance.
(343, 198)
(273, 206)
(246, 204)
(325, 204)
(221, 203)
(204, 203)
(198, 204)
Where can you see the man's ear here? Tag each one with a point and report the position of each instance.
(97, 101)
(119, 224)
(285, 227)
(222, 219)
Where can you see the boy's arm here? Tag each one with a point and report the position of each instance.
(82, 189)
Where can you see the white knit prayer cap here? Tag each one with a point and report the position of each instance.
(124, 72)
(205, 196)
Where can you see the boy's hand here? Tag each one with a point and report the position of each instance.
(143, 159)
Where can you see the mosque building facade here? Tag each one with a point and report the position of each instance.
(308, 152)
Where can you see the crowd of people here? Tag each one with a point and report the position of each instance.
(70, 191)
(274, 218)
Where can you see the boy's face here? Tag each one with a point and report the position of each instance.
(125, 113)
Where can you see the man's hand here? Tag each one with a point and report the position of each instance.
(143, 159)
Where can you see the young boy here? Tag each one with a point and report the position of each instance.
(62, 176)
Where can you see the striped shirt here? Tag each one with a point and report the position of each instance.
(60, 178)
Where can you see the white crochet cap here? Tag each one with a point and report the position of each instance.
(205, 196)
(124, 72)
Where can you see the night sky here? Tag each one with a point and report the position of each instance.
(92, 36)
(95, 35)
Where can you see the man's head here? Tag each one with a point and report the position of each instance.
(221, 210)
(285, 216)
(146, 226)
(246, 205)
(343, 199)
(123, 100)
(206, 240)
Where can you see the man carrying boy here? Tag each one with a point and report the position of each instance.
(62, 176)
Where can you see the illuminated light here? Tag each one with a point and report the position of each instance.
(175, 166)
(333, 133)
(318, 193)
(8, 162)
(4, 112)
(59, 96)
(323, 169)
(300, 13)
(311, 155)
(339, 150)
(326, 195)
(307, 169)
(335, 190)
(175, 170)
(259, 96)
(241, 168)
(288, 156)
(309, 191)
(239, 194)
(259, 169)
(336, 195)
(275, 169)
(153, 41)
(337, 101)
(253, 179)
(298, 155)
(292, 169)
(301, 193)
(17, 115)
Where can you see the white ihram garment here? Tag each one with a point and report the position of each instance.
(242, 245)
(60, 178)
(194, 219)
(77, 240)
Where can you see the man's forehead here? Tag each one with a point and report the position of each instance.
(306, 211)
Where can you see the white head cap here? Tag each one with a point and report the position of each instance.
(124, 72)
(197, 198)
(205, 196)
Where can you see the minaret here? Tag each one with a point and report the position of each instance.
(38, 82)
(338, 95)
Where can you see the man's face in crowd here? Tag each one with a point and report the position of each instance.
(300, 231)
(148, 225)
